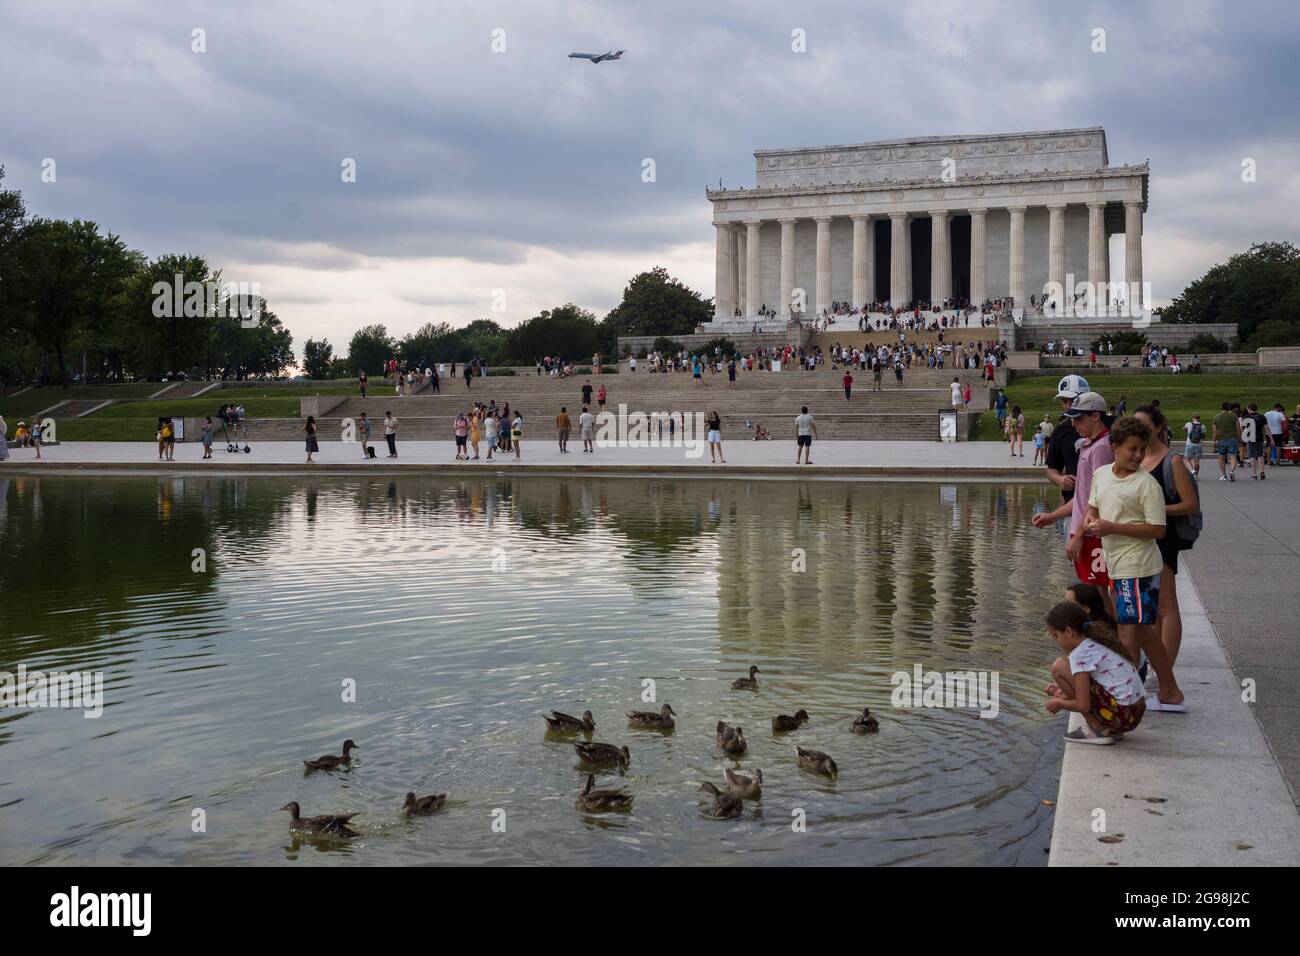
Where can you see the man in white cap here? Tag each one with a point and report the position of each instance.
(1062, 451)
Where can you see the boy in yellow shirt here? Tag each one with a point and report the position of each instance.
(1126, 509)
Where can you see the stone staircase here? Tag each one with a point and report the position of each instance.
(74, 408)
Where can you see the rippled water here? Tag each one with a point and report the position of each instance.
(462, 609)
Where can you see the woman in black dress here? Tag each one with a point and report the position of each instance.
(313, 446)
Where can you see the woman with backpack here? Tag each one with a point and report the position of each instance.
(1182, 505)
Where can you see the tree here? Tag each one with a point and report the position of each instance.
(17, 358)
(1252, 288)
(370, 349)
(654, 303)
(317, 358)
(568, 331)
(1272, 334)
(1207, 343)
(265, 349)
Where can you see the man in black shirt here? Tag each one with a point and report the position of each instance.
(1062, 451)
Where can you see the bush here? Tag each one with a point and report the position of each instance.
(728, 347)
(1126, 343)
(665, 344)
(608, 370)
(1207, 343)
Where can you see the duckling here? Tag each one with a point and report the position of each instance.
(652, 721)
(748, 788)
(332, 762)
(865, 724)
(598, 754)
(420, 806)
(600, 801)
(814, 761)
(746, 683)
(731, 739)
(331, 824)
(725, 804)
(567, 724)
(783, 722)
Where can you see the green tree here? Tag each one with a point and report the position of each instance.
(654, 303)
(17, 357)
(1258, 286)
(317, 358)
(370, 349)
(1273, 333)
(568, 331)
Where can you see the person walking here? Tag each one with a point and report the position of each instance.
(460, 429)
(517, 435)
(37, 433)
(313, 446)
(562, 427)
(898, 372)
(600, 398)
(731, 374)
(475, 432)
(586, 393)
(390, 433)
(805, 429)
(958, 403)
(848, 384)
(714, 423)
(1192, 448)
(363, 430)
(206, 437)
(363, 383)
(586, 425)
(491, 427)
(1016, 426)
(877, 372)
(1224, 435)
(503, 436)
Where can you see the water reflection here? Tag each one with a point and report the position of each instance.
(462, 609)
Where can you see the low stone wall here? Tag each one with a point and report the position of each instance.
(1158, 333)
(1279, 357)
(745, 341)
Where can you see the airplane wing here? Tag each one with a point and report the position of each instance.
(593, 57)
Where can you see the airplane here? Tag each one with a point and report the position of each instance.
(597, 57)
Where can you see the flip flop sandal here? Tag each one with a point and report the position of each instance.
(1154, 703)
(1085, 735)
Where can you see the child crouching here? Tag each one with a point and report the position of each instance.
(1096, 678)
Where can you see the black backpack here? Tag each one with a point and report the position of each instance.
(1196, 433)
(1185, 528)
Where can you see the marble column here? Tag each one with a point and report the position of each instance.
(1056, 251)
(1097, 253)
(741, 269)
(897, 259)
(724, 303)
(940, 257)
(787, 266)
(864, 254)
(1133, 255)
(978, 269)
(1017, 256)
(823, 264)
(751, 267)
(907, 260)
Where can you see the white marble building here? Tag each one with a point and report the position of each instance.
(922, 220)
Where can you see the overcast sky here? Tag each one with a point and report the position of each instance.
(521, 170)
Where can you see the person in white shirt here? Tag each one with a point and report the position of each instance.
(955, 388)
(1276, 418)
(586, 426)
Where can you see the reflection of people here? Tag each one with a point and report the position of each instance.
(4, 443)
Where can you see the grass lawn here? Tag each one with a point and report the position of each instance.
(1180, 395)
(27, 404)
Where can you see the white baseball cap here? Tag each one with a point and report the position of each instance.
(1072, 386)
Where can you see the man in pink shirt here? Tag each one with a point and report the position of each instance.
(1089, 416)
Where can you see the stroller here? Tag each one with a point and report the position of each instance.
(232, 423)
(760, 433)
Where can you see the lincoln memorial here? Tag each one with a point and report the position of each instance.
(932, 220)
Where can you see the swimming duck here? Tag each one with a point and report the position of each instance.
(731, 739)
(865, 724)
(330, 761)
(783, 722)
(748, 788)
(746, 683)
(565, 723)
(333, 824)
(598, 754)
(652, 721)
(725, 804)
(814, 761)
(600, 801)
(419, 806)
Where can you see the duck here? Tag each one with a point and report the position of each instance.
(420, 806)
(865, 724)
(332, 824)
(652, 721)
(331, 761)
(568, 724)
(600, 801)
(814, 761)
(746, 683)
(598, 753)
(726, 805)
(731, 739)
(747, 788)
(782, 722)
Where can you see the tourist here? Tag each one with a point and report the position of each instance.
(164, 438)
(696, 370)
(714, 425)
(631, 364)
(475, 431)
(1181, 501)
(491, 428)
(1016, 424)
(503, 436)
(600, 398)
(390, 433)
(1097, 678)
(1087, 416)
(312, 445)
(1039, 446)
(1000, 409)
(4, 439)
(363, 383)
(1224, 435)
(1276, 419)
(1255, 434)
(1192, 448)
(562, 426)
(731, 374)
(586, 393)
(517, 434)
(1062, 458)
(205, 436)
(898, 371)
(460, 431)
(848, 384)
(877, 369)
(805, 429)
(958, 401)
(363, 429)
(587, 423)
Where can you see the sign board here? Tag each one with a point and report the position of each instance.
(947, 425)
